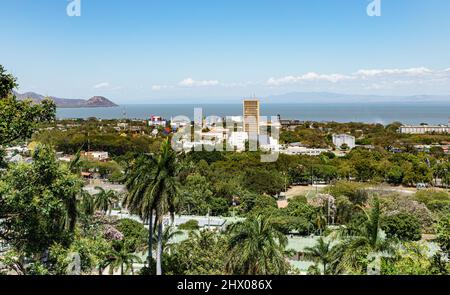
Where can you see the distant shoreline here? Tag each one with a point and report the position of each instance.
(84, 107)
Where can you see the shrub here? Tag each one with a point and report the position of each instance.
(403, 226)
(189, 225)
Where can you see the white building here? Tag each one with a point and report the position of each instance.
(341, 139)
(424, 129)
(121, 126)
(97, 156)
(157, 121)
(300, 150)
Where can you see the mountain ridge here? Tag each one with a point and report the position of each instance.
(93, 102)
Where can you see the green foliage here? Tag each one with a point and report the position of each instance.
(198, 199)
(7, 83)
(395, 175)
(428, 197)
(410, 259)
(135, 234)
(153, 187)
(443, 234)
(256, 248)
(105, 199)
(289, 137)
(201, 254)
(37, 200)
(189, 225)
(120, 257)
(302, 216)
(263, 182)
(19, 118)
(209, 157)
(354, 192)
(323, 254)
(345, 210)
(3, 163)
(70, 140)
(92, 250)
(362, 240)
(402, 226)
(254, 202)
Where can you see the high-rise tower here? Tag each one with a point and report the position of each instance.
(251, 116)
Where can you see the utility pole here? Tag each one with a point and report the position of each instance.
(446, 178)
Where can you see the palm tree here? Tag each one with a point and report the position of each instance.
(366, 242)
(322, 253)
(164, 190)
(105, 199)
(256, 248)
(121, 258)
(169, 233)
(152, 189)
(139, 200)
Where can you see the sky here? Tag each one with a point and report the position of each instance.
(142, 51)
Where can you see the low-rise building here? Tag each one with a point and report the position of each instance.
(122, 126)
(303, 151)
(157, 121)
(340, 140)
(424, 129)
(96, 156)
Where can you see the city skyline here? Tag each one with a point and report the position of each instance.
(153, 51)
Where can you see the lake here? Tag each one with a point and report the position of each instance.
(383, 113)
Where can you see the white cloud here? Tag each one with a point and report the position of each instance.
(407, 76)
(102, 85)
(389, 72)
(392, 79)
(189, 82)
(308, 77)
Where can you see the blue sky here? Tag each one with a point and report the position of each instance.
(139, 51)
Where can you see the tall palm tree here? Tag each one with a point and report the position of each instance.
(139, 200)
(164, 190)
(322, 253)
(105, 199)
(256, 248)
(152, 186)
(357, 247)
